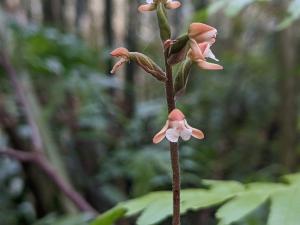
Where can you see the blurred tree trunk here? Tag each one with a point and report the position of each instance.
(53, 11)
(288, 97)
(80, 10)
(131, 43)
(108, 31)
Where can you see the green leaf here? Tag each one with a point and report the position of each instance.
(293, 178)
(285, 207)
(157, 211)
(137, 205)
(224, 186)
(241, 206)
(110, 216)
(198, 199)
(164, 27)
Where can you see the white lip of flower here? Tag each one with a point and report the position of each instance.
(176, 126)
(149, 1)
(209, 54)
(179, 129)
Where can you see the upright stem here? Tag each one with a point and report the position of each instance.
(174, 150)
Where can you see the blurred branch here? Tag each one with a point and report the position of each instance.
(20, 93)
(41, 161)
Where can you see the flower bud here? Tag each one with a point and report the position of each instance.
(182, 77)
(164, 27)
(148, 65)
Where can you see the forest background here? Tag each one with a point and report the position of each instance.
(96, 128)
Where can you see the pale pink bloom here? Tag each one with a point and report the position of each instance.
(199, 52)
(121, 53)
(201, 32)
(170, 4)
(152, 4)
(175, 127)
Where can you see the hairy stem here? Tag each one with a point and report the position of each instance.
(174, 148)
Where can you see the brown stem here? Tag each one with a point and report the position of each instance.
(41, 161)
(174, 148)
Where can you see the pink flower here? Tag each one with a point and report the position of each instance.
(152, 4)
(201, 32)
(121, 53)
(199, 52)
(175, 127)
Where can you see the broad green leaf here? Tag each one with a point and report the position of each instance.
(266, 187)
(224, 186)
(198, 199)
(137, 205)
(240, 206)
(110, 216)
(293, 178)
(157, 211)
(285, 207)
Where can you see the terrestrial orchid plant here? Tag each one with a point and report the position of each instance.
(192, 48)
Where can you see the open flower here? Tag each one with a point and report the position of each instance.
(201, 32)
(152, 4)
(199, 52)
(175, 127)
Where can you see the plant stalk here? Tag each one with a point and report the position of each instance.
(174, 148)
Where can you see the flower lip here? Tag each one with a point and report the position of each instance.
(176, 115)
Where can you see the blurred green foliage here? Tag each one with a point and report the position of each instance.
(109, 155)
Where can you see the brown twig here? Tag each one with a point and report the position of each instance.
(174, 148)
(36, 139)
(41, 161)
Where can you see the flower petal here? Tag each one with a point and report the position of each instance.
(161, 134)
(197, 133)
(206, 51)
(173, 4)
(118, 65)
(186, 134)
(208, 66)
(195, 52)
(172, 135)
(202, 32)
(146, 7)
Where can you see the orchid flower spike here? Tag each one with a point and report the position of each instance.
(121, 53)
(199, 52)
(201, 32)
(175, 127)
(152, 4)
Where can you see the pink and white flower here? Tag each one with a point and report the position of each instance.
(201, 32)
(152, 4)
(199, 52)
(175, 127)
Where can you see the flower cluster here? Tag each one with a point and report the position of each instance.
(192, 48)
